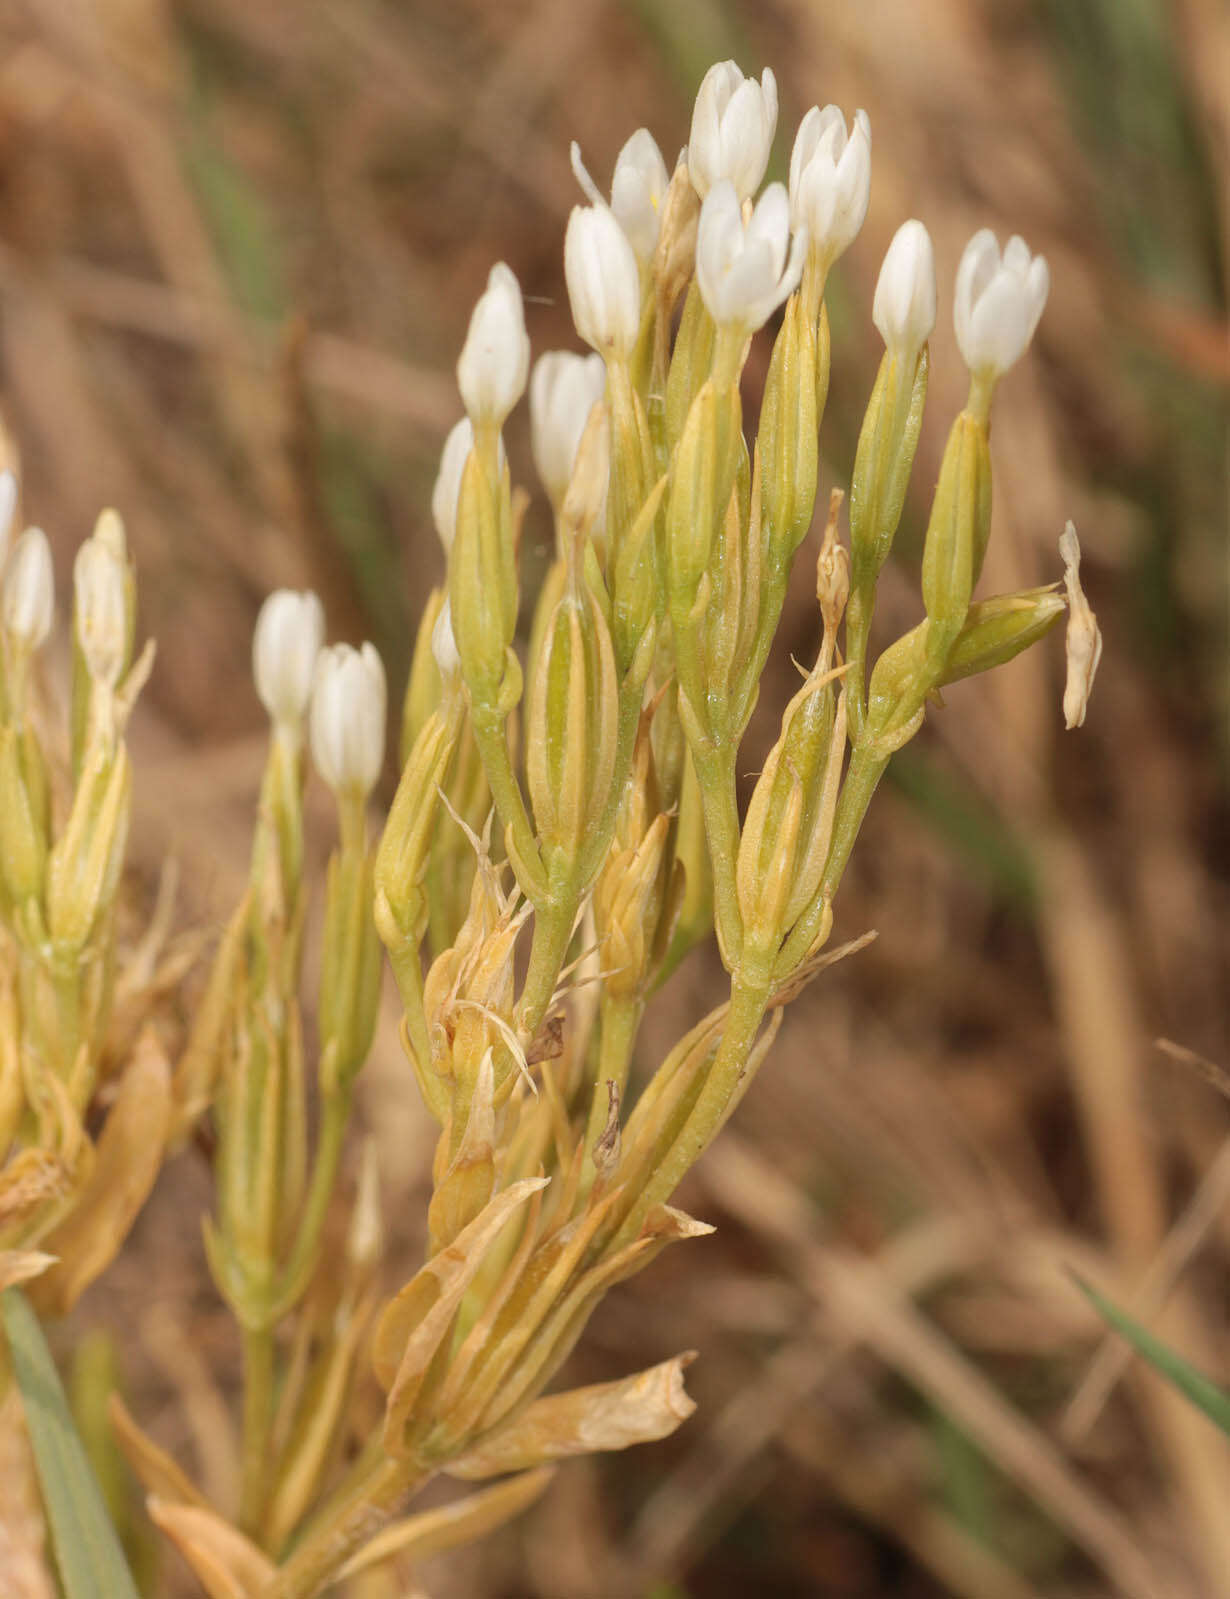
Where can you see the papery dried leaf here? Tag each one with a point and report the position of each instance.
(128, 1158)
(414, 1325)
(597, 1419)
(433, 1531)
(229, 1565)
(20, 1265)
(158, 1474)
(1084, 643)
(32, 1179)
(465, 1187)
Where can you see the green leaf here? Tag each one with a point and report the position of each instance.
(87, 1553)
(1193, 1384)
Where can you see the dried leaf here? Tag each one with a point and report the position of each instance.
(413, 1326)
(584, 1421)
(228, 1564)
(159, 1475)
(19, 1265)
(1084, 645)
(127, 1162)
(433, 1531)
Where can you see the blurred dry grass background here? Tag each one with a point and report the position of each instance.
(239, 242)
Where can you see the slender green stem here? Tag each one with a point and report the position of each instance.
(372, 1500)
(258, 1408)
(294, 1276)
(553, 923)
(617, 1028)
(724, 1084)
(492, 741)
(715, 775)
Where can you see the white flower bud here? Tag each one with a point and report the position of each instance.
(904, 305)
(348, 715)
(564, 388)
(8, 509)
(29, 590)
(830, 179)
(733, 123)
(638, 190)
(289, 633)
(495, 359)
(745, 271)
(444, 645)
(998, 302)
(100, 603)
(446, 493)
(604, 282)
(447, 490)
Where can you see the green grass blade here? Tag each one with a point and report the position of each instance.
(1193, 1384)
(87, 1553)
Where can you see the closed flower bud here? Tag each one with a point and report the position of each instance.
(495, 359)
(904, 305)
(604, 283)
(444, 645)
(564, 388)
(8, 509)
(746, 271)
(289, 633)
(998, 302)
(447, 490)
(830, 179)
(100, 600)
(733, 123)
(29, 590)
(348, 706)
(638, 193)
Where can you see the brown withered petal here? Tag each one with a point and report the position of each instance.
(20, 1265)
(433, 1531)
(128, 1157)
(583, 1421)
(157, 1473)
(228, 1564)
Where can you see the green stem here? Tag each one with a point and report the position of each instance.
(294, 1277)
(617, 1029)
(258, 1406)
(724, 1085)
(715, 775)
(553, 923)
(370, 1503)
(862, 780)
(492, 741)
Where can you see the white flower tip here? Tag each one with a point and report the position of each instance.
(733, 123)
(348, 717)
(581, 173)
(904, 306)
(29, 590)
(564, 388)
(444, 644)
(745, 269)
(495, 359)
(603, 278)
(100, 602)
(289, 633)
(1084, 640)
(998, 302)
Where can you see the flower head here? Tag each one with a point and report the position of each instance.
(733, 123)
(830, 178)
(604, 282)
(100, 599)
(348, 712)
(29, 590)
(904, 305)
(638, 192)
(745, 271)
(289, 633)
(564, 388)
(495, 359)
(998, 302)
(8, 510)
